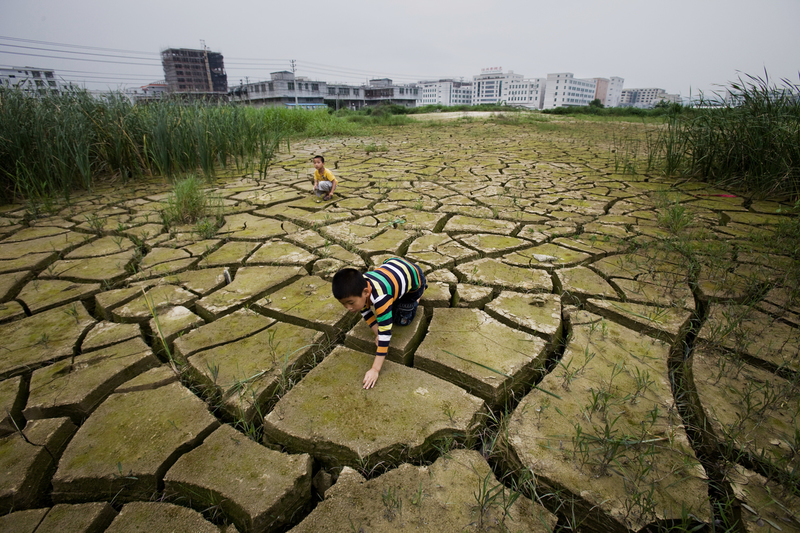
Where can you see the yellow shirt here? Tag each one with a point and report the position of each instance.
(326, 176)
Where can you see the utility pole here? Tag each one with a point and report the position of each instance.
(247, 87)
(295, 84)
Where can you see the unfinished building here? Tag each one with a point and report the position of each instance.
(194, 71)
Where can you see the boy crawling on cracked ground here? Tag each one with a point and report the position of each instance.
(385, 296)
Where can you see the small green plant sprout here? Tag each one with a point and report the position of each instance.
(569, 373)
(449, 411)
(642, 381)
(491, 495)
(148, 300)
(72, 311)
(392, 503)
(416, 499)
(44, 340)
(96, 224)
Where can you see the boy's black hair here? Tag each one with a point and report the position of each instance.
(318, 157)
(348, 282)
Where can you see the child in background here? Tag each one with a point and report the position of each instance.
(324, 180)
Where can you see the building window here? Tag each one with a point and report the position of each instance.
(315, 86)
(291, 85)
(355, 92)
(332, 90)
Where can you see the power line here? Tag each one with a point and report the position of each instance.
(71, 52)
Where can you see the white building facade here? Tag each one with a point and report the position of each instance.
(491, 85)
(646, 98)
(29, 79)
(564, 89)
(609, 91)
(447, 92)
(525, 92)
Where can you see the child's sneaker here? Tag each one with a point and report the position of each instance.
(405, 313)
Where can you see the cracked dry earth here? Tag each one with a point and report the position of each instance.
(622, 373)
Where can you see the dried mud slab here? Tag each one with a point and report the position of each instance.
(330, 416)
(436, 498)
(128, 443)
(538, 314)
(247, 375)
(106, 333)
(470, 349)
(765, 506)
(748, 408)
(42, 294)
(494, 273)
(230, 328)
(308, 302)
(111, 269)
(667, 323)
(750, 333)
(156, 517)
(28, 462)
(405, 339)
(73, 388)
(79, 518)
(43, 338)
(249, 284)
(12, 400)
(258, 489)
(602, 427)
(156, 299)
(23, 521)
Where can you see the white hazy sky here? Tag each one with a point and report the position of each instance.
(678, 45)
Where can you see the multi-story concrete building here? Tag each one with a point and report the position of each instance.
(645, 98)
(609, 91)
(282, 90)
(563, 89)
(343, 95)
(148, 93)
(447, 92)
(525, 92)
(383, 91)
(488, 86)
(194, 71)
(30, 79)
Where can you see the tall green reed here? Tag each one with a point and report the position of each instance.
(54, 144)
(747, 137)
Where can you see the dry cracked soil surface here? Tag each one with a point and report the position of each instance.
(596, 350)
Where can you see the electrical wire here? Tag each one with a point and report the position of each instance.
(237, 67)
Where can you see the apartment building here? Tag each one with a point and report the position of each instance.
(148, 93)
(194, 71)
(564, 89)
(488, 87)
(609, 91)
(343, 95)
(645, 98)
(447, 92)
(30, 79)
(282, 90)
(525, 92)
(384, 91)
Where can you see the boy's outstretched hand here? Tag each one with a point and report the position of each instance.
(370, 378)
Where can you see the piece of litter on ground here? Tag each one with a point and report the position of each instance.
(544, 258)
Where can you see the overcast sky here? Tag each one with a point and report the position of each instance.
(679, 45)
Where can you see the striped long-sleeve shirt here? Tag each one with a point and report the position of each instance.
(389, 282)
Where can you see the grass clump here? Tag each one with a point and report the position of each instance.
(188, 203)
(748, 138)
